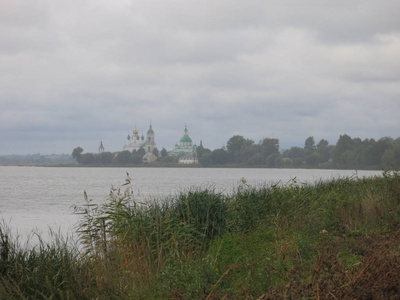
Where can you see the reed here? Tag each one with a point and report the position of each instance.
(255, 243)
(45, 271)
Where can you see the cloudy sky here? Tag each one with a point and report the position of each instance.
(74, 73)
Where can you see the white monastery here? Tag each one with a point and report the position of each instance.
(135, 142)
(185, 149)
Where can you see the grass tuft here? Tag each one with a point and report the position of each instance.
(335, 239)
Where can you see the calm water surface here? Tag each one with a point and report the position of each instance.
(38, 198)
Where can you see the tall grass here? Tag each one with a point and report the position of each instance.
(132, 242)
(46, 271)
(255, 243)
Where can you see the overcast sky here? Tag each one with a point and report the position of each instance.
(74, 73)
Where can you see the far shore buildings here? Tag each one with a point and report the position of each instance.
(185, 149)
(135, 142)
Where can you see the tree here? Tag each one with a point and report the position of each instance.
(206, 159)
(296, 156)
(170, 159)
(136, 159)
(124, 157)
(87, 158)
(256, 160)
(163, 153)
(237, 142)
(297, 162)
(324, 150)
(309, 144)
(201, 151)
(141, 151)
(76, 154)
(247, 154)
(106, 158)
(220, 157)
(376, 150)
(270, 146)
(295, 152)
(274, 160)
(156, 152)
(391, 157)
(347, 158)
(237, 146)
(344, 144)
(313, 159)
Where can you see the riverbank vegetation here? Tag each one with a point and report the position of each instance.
(338, 239)
(347, 153)
(37, 160)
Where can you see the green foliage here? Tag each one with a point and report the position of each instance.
(105, 158)
(206, 159)
(36, 159)
(156, 152)
(46, 271)
(236, 143)
(87, 158)
(339, 237)
(348, 153)
(269, 147)
(204, 209)
(237, 146)
(76, 154)
(123, 157)
(163, 153)
(309, 144)
(220, 157)
(324, 150)
(202, 151)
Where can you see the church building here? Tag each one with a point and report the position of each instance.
(136, 142)
(185, 149)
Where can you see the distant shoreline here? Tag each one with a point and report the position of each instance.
(177, 166)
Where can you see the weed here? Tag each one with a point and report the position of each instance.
(335, 239)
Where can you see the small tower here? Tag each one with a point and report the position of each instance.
(150, 143)
(101, 148)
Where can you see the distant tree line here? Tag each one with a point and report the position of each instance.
(35, 159)
(348, 153)
(119, 158)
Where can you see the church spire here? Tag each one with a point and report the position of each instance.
(101, 148)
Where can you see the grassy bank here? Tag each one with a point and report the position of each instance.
(330, 240)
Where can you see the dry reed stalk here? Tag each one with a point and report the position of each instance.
(219, 280)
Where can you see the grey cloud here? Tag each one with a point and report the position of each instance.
(89, 71)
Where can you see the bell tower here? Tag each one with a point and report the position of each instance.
(101, 148)
(150, 142)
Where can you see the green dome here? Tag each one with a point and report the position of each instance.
(150, 131)
(185, 139)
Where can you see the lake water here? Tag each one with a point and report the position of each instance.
(39, 198)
